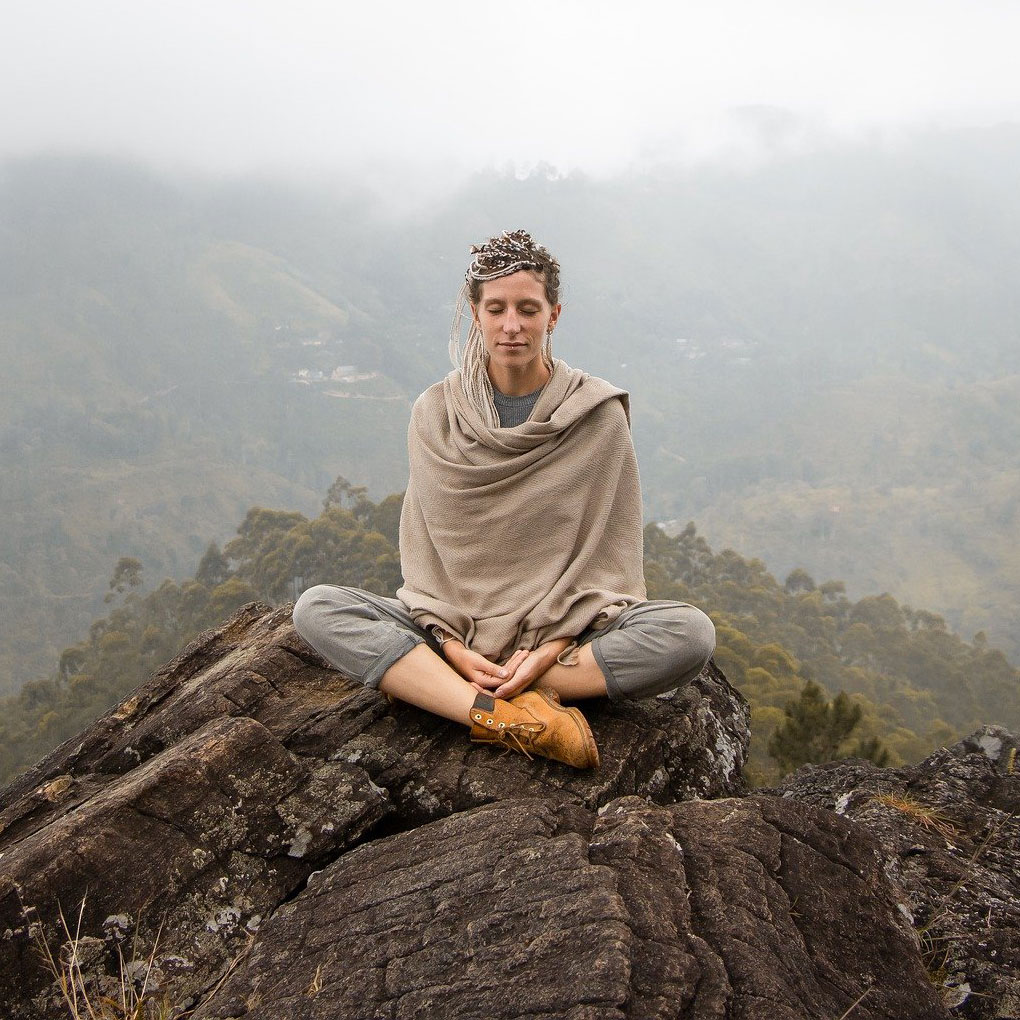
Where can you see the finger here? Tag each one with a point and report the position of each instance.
(485, 682)
(519, 683)
(509, 690)
(517, 659)
(514, 663)
(481, 664)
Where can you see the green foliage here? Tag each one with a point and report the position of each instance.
(815, 730)
(213, 568)
(915, 684)
(274, 556)
(127, 574)
(871, 750)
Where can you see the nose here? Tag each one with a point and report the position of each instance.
(511, 324)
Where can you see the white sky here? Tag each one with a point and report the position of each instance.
(314, 86)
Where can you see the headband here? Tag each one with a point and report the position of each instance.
(512, 251)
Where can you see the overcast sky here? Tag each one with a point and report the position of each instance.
(308, 85)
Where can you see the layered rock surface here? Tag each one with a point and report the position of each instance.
(948, 831)
(531, 909)
(306, 849)
(207, 799)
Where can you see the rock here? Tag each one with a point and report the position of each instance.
(948, 830)
(285, 843)
(205, 840)
(761, 908)
(203, 803)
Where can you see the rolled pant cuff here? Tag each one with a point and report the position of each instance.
(613, 688)
(401, 644)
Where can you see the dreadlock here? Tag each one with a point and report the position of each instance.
(508, 253)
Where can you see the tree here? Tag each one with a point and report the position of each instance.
(814, 729)
(342, 490)
(798, 581)
(127, 574)
(72, 661)
(214, 568)
(872, 750)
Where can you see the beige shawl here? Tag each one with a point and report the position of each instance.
(513, 537)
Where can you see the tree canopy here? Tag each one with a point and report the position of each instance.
(825, 676)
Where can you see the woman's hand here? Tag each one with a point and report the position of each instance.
(528, 667)
(483, 675)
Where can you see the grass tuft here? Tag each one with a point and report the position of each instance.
(89, 994)
(916, 810)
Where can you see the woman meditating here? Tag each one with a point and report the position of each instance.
(520, 539)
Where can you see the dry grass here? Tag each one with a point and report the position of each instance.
(316, 986)
(89, 994)
(917, 811)
(855, 1003)
(935, 949)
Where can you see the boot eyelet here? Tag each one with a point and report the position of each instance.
(488, 722)
(478, 718)
(502, 724)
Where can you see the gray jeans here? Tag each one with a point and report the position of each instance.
(651, 647)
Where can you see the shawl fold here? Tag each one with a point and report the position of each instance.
(513, 537)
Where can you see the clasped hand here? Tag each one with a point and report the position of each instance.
(521, 670)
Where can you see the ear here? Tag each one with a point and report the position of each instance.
(554, 316)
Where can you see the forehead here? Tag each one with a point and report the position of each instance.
(525, 285)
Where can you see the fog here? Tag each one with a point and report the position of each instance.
(315, 87)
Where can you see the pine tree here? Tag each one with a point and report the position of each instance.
(815, 729)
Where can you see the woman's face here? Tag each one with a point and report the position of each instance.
(514, 316)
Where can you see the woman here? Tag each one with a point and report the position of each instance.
(520, 539)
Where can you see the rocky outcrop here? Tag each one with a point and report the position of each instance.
(205, 801)
(287, 844)
(948, 832)
(753, 908)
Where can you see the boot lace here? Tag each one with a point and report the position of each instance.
(519, 736)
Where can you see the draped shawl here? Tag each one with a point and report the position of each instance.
(510, 537)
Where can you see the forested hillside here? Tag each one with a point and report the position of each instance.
(823, 352)
(913, 683)
(152, 391)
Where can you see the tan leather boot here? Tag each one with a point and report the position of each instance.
(535, 723)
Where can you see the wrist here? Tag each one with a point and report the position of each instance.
(452, 648)
(552, 650)
(441, 634)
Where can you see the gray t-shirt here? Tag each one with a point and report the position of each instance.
(514, 411)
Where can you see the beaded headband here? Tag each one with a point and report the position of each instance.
(512, 251)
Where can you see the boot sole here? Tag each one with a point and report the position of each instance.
(591, 748)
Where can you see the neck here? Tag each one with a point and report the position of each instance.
(519, 382)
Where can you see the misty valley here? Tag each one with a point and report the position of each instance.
(823, 361)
